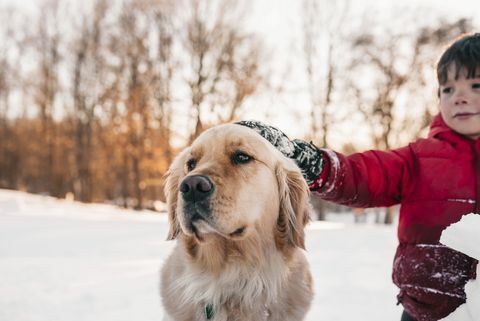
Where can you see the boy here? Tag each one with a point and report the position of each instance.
(436, 180)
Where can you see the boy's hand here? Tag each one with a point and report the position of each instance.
(307, 156)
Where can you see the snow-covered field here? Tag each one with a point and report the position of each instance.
(62, 261)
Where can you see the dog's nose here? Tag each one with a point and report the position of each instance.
(196, 188)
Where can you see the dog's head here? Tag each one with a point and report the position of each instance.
(231, 182)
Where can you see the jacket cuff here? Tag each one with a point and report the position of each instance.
(322, 178)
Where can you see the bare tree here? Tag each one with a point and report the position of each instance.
(322, 36)
(162, 66)
(133, 50)
(143, 46)
(8, 150)
(46, 86)
(87, 90)
(323, 23)
(224, 61)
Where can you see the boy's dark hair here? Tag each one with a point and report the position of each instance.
(465, 54)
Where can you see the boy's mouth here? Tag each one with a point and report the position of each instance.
(465, 115)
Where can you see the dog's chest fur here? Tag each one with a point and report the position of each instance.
(239, 292)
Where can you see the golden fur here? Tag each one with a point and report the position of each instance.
(245, 261)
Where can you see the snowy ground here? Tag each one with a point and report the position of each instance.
(68, 261)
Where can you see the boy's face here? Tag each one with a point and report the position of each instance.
(460, 103)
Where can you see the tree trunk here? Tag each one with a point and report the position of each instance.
(389, 214)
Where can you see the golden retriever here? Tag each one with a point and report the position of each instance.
(238, 209)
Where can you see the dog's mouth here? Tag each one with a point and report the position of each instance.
(198, 224)
(197, 217)
(200, 228)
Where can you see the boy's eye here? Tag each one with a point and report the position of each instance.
(476, 86)
(447, 90)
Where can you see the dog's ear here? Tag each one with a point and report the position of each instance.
(172, 181)
(294, 207)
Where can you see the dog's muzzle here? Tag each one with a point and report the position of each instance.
(196, 190)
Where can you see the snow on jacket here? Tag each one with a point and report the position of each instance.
(436, 180)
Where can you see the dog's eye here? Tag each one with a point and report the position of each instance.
(191, 163)
(241, 158)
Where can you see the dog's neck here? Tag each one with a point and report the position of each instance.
(230, 274)
(216, 253)
(260, 314)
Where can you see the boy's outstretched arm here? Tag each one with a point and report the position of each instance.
(372, 178)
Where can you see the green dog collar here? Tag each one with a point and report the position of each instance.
(209, 311)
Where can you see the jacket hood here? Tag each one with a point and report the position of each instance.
(438, 126)
(439, 129)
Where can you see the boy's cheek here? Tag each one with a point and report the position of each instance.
(443, 111)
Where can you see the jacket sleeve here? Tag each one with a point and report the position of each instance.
(368, 179)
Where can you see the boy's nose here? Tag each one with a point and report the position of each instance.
(460, 99)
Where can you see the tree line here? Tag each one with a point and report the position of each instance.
(97, 99)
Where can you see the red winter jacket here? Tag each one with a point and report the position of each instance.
(436, 181)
